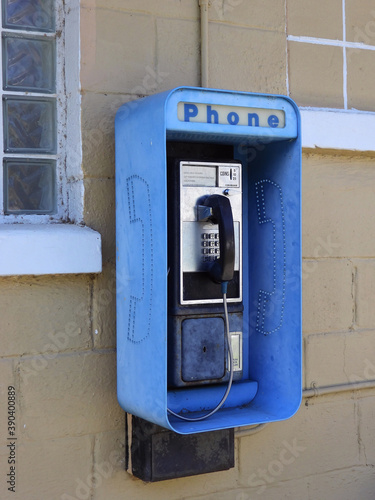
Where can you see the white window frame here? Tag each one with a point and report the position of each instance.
(28, 245)
(69, 194)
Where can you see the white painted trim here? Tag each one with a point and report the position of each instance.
(344, 59)
(328, 41)
(345, 78)
(343, 8)
(344, 130)
(49, 249)
(74, 174)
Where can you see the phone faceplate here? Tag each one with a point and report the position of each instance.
(199, 241)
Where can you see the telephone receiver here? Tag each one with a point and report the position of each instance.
(217, 209)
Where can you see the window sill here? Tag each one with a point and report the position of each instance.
(337, 129)
(49, 249)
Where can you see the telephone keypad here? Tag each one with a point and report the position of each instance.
(210, 244)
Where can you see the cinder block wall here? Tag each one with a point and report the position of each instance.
(58, 333)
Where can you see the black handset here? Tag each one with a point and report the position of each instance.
(222, 269)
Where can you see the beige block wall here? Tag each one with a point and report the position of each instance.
(58, 332)
(319, 19)
(325, 69)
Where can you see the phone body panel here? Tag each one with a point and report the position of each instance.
(194, 298)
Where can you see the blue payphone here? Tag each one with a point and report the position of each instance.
(208, 217)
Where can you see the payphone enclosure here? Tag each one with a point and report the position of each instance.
(174, 151)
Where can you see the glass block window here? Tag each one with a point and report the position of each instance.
(33, 15)
(29, 64)
(29, 186)
(30, 95)
(29, 125)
